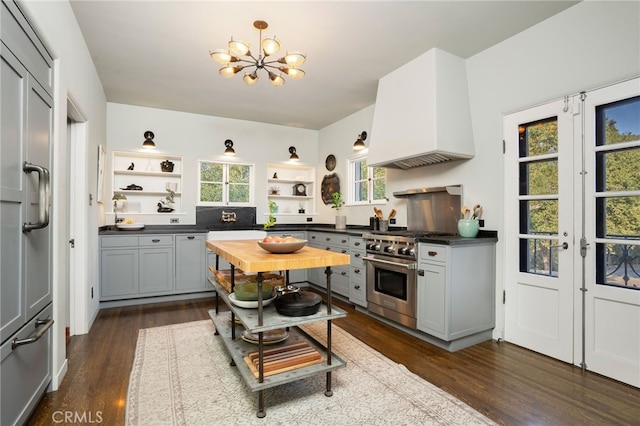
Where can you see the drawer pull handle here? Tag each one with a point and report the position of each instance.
(313, 237)
(36, 335)
(357, 255)
(357, 287)
(190, 237)
(432, 253)
(357, 271)
(343, 273)
(155, 240)
(421, 272)
(344, 251)
(344, 241)
(328, 248)
(328, 239)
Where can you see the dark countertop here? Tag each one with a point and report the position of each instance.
(484, 236)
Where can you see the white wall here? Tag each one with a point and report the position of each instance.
(586, 46)
(75, 77)
(195, 137)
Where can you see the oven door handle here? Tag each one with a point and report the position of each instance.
(388, 262)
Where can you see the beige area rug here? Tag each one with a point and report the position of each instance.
(181, 376)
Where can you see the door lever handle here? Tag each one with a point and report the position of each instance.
(563, 246)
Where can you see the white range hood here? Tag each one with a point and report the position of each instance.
(422, 114)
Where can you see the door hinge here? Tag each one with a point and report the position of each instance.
(504, 147)
(504, 297)
(72, 242)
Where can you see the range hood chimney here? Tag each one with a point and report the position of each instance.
(422, 114)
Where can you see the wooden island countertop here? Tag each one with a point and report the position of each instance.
(250, 257)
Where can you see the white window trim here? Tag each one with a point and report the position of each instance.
(351, 184)
(225, 192)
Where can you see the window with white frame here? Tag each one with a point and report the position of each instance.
(367, 185)
(226, 184)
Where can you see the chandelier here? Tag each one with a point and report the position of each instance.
(239, 57)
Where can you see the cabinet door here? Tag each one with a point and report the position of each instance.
(156, 270)
(358, 286)
(118, 273)
(191, 263)
(431, 299)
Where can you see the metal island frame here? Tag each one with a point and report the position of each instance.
(250, 258)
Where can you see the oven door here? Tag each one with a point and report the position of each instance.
(391, 288)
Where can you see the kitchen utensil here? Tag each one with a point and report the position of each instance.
(392, 214)
(298, 304)
(477, 211)
(466, 213)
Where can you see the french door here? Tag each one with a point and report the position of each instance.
(539, 230)
(572, 208)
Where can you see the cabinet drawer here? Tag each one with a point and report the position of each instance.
(115, 242)
(323, 238)
(356, 243)
(156, 240)
(434, 253)
(356, 259)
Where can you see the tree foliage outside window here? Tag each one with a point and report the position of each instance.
(225, 183)
(367, 184)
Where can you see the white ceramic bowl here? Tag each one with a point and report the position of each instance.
(130, 226)
(252, 304)
(283, 248)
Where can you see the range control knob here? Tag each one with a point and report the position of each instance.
(374, 246)
(389, 249)
(410, 252)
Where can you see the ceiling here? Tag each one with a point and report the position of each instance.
(156, 53)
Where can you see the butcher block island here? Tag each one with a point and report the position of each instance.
(298, 356)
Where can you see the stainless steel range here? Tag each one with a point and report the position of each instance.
(392, 257)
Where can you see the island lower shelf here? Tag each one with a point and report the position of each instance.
(238, 349)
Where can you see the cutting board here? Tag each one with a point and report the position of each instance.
(283, 358)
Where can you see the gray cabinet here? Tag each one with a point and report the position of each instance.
(338, 243)
(191, 262)
(135, 266)
(26, 71)
(358, 272)
(456, 286)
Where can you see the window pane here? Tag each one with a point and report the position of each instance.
(539, 217)
(539, 257)
(539, 178)
(538, 137)
(211, 192)
(616, 170)
(238, 193)
(617, 217)
(210, 172)
(618, 265)
(239, 173)
(618, 122)
(379, 189)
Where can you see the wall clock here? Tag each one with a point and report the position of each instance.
(330, 162)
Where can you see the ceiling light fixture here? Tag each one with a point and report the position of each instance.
(229, 144)
(148, 140)
(359, 143)
(288, 64)
(294, 156)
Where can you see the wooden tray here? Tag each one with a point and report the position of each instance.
(283, 358)
(224, 278)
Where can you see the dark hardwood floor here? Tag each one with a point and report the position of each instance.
(509, 384)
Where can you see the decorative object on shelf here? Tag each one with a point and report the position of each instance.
(148, 140)
(275, 175)
(330, 162)
(330, 184)
(164, 206)
(293, 156)
(337, 203)
(274, 190)
(131, 167)
(229, 148)
(166, 166)
(301, 210)
(268, 46)
(132, 187)
(300, 190)
(359, 143)
(117, 196)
